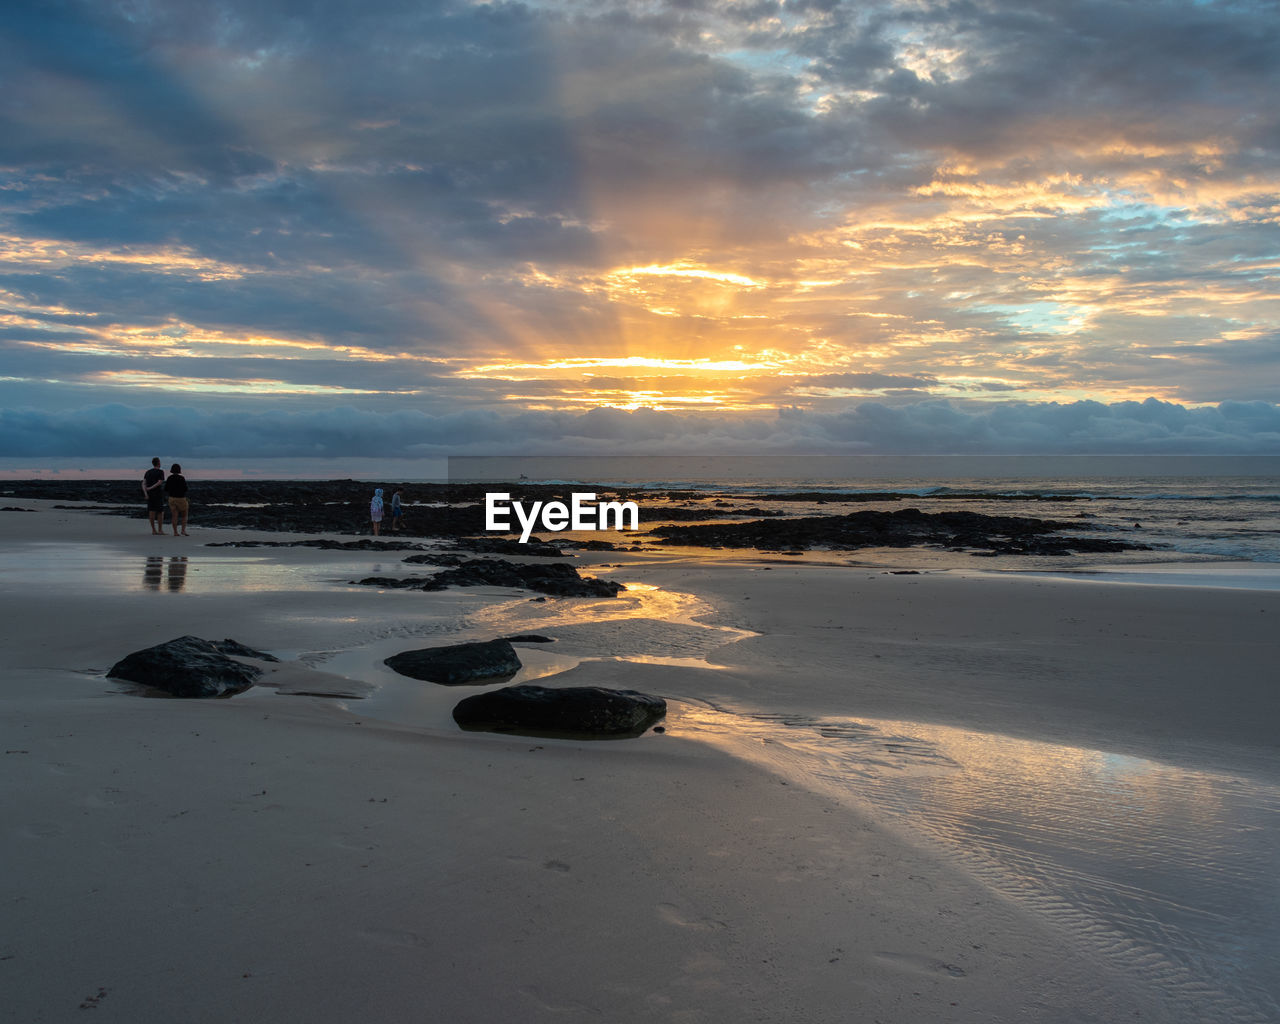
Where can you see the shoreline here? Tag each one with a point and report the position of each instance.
(739, 869)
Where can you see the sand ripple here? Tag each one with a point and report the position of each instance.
(1165, 869)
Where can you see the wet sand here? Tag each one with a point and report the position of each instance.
(903, 798)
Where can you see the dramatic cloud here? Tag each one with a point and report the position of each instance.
(880, 220)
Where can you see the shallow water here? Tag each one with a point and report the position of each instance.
(1228, 575)
(644, 624)
(1166, 870)
(175, 566)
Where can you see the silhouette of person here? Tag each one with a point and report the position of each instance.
(153, 488)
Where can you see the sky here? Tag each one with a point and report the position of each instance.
(267, 229)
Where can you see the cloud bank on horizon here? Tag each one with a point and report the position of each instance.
(424, 228)
(941, 427)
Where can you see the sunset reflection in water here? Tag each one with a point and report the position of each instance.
(1170, 868)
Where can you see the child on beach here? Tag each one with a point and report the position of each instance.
(396, 511)
(375, 511)
(176, 488)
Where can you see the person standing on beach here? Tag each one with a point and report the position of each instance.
(375, 511)
(153, 488)
(176, 488)
(396, 510)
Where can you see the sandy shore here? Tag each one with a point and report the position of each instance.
(289, 858)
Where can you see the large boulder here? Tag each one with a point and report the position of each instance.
(459, 664)
(579, 712)
(191, 667)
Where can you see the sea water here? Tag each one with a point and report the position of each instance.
(1220, 509)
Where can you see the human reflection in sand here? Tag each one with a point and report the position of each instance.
(176, 577)
(155, 573)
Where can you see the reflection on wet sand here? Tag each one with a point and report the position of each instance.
(170, 573)
(1153, 863)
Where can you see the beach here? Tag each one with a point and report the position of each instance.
(937, 796)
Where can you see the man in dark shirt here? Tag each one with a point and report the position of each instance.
(153, 488)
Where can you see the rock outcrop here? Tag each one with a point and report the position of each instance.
(908, 527)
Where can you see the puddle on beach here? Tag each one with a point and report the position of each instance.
(645, 624)
(173, 567)
(1168, 870)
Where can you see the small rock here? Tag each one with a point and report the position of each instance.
(579, 712)
(458, 664)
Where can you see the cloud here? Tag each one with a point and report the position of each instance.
(1036, 202)
(936, 427)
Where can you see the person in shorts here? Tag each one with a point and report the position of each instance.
(375, 511)
(176, 488)
(153, 488)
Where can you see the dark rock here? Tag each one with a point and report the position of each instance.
(398, 582)
(435, 558)
(458, 664)
(189, 667)
(581, 712)
(324, 543)
(534, 547)
(531, 638)
(685, 513)
(559, 580)
(908, 527)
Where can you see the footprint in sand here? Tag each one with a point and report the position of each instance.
(63, 768)
(387, 937)
(920, 964)
(41, 830)
(672, 914)
(106, 798)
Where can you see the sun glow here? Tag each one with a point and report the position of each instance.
(622, 363)
(688, 270)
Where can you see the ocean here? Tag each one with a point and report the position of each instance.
(1189, 519)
